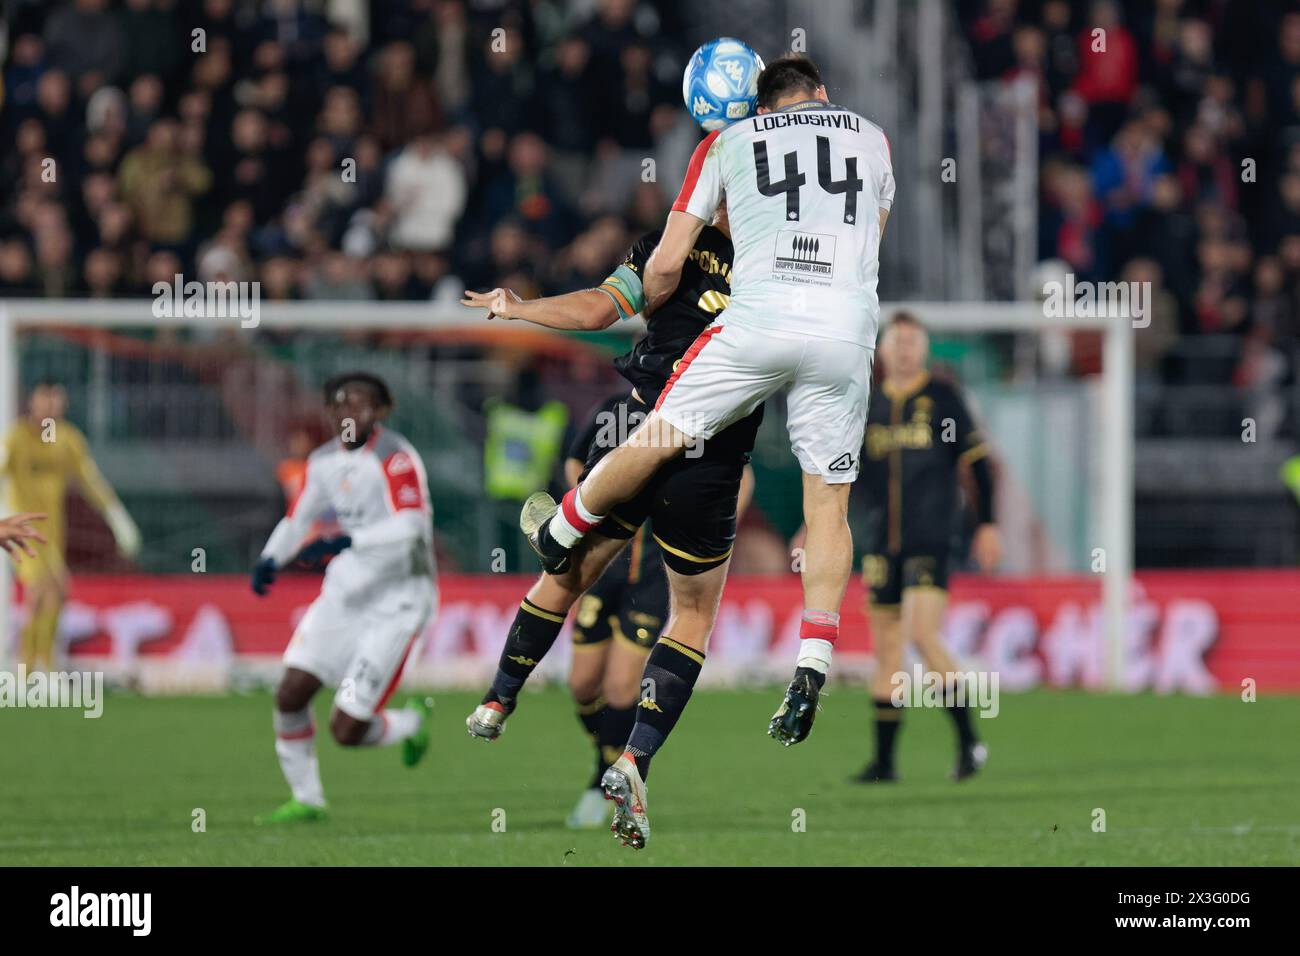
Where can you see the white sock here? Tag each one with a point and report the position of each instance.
(390, 726)
(568, 530)
(295, 745)
(815, 653)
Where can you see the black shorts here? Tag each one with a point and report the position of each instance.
(630, 601)
(690, 503)
(887, 576)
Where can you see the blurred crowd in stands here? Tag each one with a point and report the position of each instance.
(1170, 153)
(421, 146)
(402, 153)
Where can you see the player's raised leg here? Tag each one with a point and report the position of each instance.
(670, 674)
(553, 530)
(536, 625)
(383, 638)
(407, 726)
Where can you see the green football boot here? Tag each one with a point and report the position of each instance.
(414, 746)
(292, 812)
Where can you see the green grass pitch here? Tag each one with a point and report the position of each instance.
(1208, 781)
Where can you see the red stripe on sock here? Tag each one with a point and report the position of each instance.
(569, 505)
(297, 734)
(822, 632)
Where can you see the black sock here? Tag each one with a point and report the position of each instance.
(531, 636)
(615, 727)
(672, 668)
(889, 720)
(960, 715)
(592, 717)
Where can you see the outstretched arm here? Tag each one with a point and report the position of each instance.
(589, 309)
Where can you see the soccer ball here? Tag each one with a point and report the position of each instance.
(720, 84)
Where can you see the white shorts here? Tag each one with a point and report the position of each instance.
(361, 648)
(730, 369)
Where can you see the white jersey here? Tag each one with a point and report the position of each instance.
(380, 496)
(804, 187)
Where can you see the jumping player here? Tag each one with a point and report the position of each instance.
(691, 503)
(918, 434)
(808, 186)
(617, 624)
(377, 596)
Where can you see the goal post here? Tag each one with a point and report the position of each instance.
(1113, 423)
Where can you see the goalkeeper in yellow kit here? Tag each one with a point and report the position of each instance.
(42, 453)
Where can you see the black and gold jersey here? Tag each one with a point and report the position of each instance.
(702, 293)
(914, 442)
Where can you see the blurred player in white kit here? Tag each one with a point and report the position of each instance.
(377, 597)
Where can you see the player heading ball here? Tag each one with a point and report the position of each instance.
(807, 199)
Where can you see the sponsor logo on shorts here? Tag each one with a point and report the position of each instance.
(804, 257)
(844, 462)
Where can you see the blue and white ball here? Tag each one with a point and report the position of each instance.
(720, 84)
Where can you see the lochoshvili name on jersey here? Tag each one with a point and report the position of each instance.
(768, 121)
